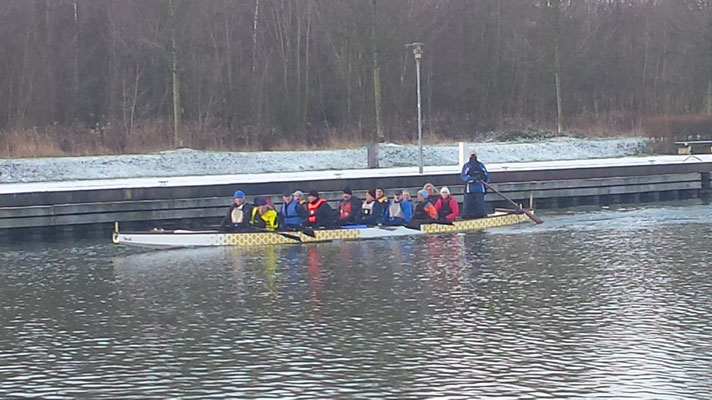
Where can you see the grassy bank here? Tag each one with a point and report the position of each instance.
(156, 135)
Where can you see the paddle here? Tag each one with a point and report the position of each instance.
(308, 231)
(286, 235)
(517, 206)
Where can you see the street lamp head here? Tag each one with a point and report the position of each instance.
(417, 49)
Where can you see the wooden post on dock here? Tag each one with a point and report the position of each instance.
(461, 153)
(372, 150)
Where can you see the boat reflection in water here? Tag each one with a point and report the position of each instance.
(610, 308)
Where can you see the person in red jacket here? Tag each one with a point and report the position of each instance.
(446, 206)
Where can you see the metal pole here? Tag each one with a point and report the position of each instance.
(420, 120)
(418, 53)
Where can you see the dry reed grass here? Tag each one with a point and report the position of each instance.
(667, 129)
(156, 135)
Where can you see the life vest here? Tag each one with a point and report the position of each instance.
(254, 221)
(383, 199)
(445, 208)
(237, 216)
(421, 210)
(311, 210)
(290, 213)
(268, 220)
(395, 211)
(367, 208)
(345, 210)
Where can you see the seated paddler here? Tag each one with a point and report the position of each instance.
(349, 208)
(238, 215)
(263, 216)
(424, 209)
(319, 213)
(293, 213)
(399, 211)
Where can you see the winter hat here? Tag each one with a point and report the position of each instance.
(239, 194)
(299, 193)
(347, 190)
(423, 193)
(372, 192)
(287, 193)
(313, 193)
(445, 190)
(261, 201)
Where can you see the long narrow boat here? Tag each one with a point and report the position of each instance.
(186, 238)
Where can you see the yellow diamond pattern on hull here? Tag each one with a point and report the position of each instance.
(266, 238)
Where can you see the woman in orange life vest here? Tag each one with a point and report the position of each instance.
(349, 209)
(424, 210)
(319, 213)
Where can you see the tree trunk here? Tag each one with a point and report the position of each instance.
(557, 64)
(708, 108)
(75, 69)
(306, 64)
(255, 20)
(376, 75)
(177, 139)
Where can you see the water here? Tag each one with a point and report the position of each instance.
(601, 304)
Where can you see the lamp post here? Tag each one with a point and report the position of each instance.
(418, 53)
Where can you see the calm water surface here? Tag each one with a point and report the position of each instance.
(602, 304)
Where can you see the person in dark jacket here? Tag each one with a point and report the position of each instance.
(424, 210)
(381, 196)
(292, 214)
(349, 209)
(319, 213)
(238, 216)
(433, 194)
(473, 174)
(299, 196)
(371, 210)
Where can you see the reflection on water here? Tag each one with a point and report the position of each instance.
(613, 304)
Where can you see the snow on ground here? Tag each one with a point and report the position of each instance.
(187, 162)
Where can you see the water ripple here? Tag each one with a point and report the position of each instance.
(622, 309)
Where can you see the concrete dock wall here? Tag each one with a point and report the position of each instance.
(153, 206)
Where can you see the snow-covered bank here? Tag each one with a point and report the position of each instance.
(191, 162)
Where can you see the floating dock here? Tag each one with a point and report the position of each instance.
(147, 202)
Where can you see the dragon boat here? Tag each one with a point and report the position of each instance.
(188, 238)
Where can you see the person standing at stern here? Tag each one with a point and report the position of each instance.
(474, 174)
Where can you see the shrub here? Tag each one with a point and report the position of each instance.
(665, 130)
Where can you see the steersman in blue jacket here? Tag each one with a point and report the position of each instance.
(473, 174)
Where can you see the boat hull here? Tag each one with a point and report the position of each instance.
(181, 238)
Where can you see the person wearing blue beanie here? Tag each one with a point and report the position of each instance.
(238, 216)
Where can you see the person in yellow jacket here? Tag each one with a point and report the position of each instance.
(263, 216)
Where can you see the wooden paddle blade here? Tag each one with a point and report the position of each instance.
(308, 232)
(288, 236)
(533, 217)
